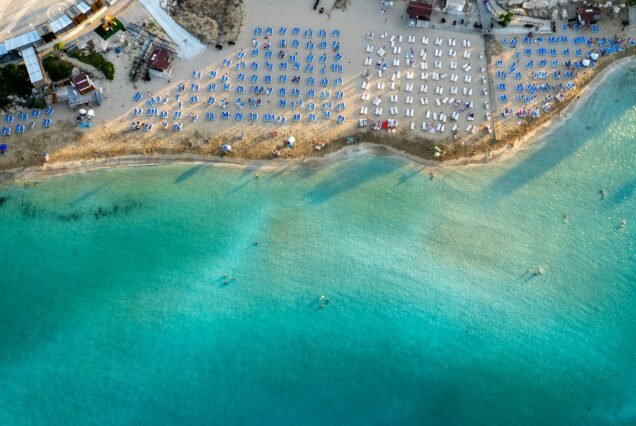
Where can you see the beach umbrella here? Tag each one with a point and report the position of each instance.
(594, 56)
(82, 111)
(291, 141)
(90, 113)
(226, 148)
(3, 147)
(585, 62)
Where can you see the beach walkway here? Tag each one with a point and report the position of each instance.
(189, 46)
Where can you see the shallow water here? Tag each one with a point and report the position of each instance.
(113, 307)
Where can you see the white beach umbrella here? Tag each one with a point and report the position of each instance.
(82, 111)
(585, 62)
(594, 56)
(90, 113)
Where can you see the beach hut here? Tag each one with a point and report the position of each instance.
(82, 82)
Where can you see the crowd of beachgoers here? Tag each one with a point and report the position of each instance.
(325, 80)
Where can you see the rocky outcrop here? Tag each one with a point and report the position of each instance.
(554, 9)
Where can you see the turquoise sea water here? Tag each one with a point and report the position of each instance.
(113, 307)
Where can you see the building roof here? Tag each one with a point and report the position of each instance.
(82, 82)
(60, 23)
(32, 65)
(589, 15)
(419, 10)
(16, 43)
(73, 12)
(457, 5)
(84, 7)
(159, 60)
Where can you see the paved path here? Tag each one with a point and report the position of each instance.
(189, 46)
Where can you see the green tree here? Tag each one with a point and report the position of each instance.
(14, 82)
(506, 18)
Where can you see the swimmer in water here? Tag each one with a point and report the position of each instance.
(623, 224)
(565, 218)
(603, 193)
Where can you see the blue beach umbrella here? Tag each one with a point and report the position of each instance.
(3, 148)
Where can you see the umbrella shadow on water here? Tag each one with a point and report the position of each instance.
(85, 196)
(535, 165)
(414, 171)
(348, 178)
(188, 174)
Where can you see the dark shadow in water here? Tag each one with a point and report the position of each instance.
(239, 187)
(87, 195)
(190, 173)
(414, 171)
(536, 165)
(348, 178)
(624, 192)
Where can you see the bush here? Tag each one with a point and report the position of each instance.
(56, 68)
(14, 81)
(34, 102)
(98, 61)
(505, 18)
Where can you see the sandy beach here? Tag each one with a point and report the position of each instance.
(432, 81)
(494, 156)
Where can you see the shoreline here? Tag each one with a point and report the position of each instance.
(531, 139)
